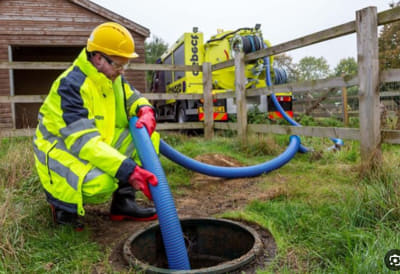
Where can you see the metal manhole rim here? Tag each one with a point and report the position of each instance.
(219, 268)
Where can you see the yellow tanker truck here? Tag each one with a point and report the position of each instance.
(190, 49)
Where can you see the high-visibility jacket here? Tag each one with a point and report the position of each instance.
(83, 123)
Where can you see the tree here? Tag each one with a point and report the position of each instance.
(285, 62)
(312, 68)
(347, 66)
(389, 44)
(154, 49)
(389, 50)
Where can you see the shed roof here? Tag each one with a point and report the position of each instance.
(95, 8)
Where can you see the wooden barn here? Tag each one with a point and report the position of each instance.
(50, 31)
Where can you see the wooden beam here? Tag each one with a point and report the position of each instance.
(382, 95)
(306, 86)
(318, 102)
(222, 65)
(241, 102)
(225, 95)
(5, 133)
(177, 96)
(389, 16)
(196, 96)
(344, 107)
(388, 136)
(391, 136)
(388, 94)
(328, 114)
(368, 73)
(226, 126)
(64, 65)
(390, 75)
(151, 96)
(35, 65)
(344, 133)
(12, 88)
(320, 105)
(384, 17)
(163, 67)
(208, 102)
(307, 40)
(23, 99)
(174, 126)
(298, 87)
(9, 133)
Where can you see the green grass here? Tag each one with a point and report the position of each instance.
(330, 220)
(29, 242)
(327, 220)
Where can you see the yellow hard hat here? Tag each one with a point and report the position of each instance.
(112, 39)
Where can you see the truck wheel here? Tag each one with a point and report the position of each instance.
(181, 116)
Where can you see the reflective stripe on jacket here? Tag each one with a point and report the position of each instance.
(80, 116)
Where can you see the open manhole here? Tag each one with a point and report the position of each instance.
(214, 246)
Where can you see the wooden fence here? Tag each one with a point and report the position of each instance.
(341, 107)
(368, 79)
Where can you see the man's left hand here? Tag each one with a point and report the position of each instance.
(140, 178)
(147, 119)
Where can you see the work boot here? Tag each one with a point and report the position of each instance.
(123, 206)
(62, 217)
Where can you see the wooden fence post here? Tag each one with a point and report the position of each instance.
(344, 105)
(208, 102)
(368, 73)
(240, 92)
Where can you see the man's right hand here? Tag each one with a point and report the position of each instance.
(147, 118)
(139, 179)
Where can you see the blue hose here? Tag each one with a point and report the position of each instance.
(338, 142)
(279, 80)
(282, 111)
(280, 76)
(268, 69)
(170, 225)
(232, 172)
(278, 106)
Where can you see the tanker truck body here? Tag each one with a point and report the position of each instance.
(190, 49)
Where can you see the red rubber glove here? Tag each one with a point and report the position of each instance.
(147, 119)
(139, 179)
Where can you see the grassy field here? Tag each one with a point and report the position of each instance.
(327, 220)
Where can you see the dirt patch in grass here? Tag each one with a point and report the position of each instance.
(205, 197)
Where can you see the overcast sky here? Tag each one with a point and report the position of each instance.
(281, 20)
